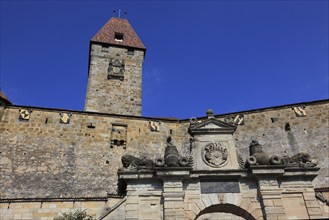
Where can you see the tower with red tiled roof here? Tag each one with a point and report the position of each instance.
(115, 70)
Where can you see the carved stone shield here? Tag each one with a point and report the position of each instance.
(215, 154)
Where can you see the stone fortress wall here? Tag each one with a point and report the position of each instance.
(42, 157)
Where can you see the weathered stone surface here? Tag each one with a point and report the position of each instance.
(51, 159)
(110, 94)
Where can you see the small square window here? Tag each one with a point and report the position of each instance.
(118, 37)
(130, 52)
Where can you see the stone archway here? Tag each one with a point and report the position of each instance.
(226, 208)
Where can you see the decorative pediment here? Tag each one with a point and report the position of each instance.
(211, 125)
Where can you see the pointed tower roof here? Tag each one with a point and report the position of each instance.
(118, 31)
(4, 99)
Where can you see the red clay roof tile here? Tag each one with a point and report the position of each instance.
(120, 26)
(4, 98)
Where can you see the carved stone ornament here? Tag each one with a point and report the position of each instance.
(25, 114)
(65, 118)
(130, 162)
(116, 69)
(215, 154)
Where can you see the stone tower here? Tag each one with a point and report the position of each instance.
(115, 70)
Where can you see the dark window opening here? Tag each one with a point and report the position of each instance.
(287, 127)
(130, 52)
(118, 36)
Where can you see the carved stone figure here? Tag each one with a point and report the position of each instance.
(256, 150)
(171, 157)
(300, 160)
(133, 163)
(129, 161)
(259, 157)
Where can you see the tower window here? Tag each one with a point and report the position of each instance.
(118, 37)
(130, 52)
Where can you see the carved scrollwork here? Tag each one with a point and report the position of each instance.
(215, 154)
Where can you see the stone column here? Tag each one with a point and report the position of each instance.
(173, 193)
(270, 192)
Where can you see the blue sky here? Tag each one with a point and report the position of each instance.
(225, 55)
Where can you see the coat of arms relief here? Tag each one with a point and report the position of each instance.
(215, 154)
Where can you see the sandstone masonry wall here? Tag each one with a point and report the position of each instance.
(44, 158)
(290, 134)
(44, 210)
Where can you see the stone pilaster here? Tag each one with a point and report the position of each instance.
(312, 205)
(270, 192)
(173, 193)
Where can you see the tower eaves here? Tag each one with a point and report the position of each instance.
(3, 98)
(118, 31)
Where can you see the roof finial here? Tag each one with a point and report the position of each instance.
(113, 15)
(119, 13)
(125, 15)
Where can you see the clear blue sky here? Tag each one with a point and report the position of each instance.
(225, 55)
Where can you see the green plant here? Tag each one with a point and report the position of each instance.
(75, 215)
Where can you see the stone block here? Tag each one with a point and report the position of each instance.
(26, 216)
(189, 215)
(249, 194)
(132, 199)
(4, 205)
(187, 206)
(91, 205)
(179, 205)
(309, 196)
(314, 211)
(245, 203)
(132, 207)
(206, 200)
(169, 205)
(63, 205)
(312, 204)
(149, 215)
(195, 209)
(319, 217)
(132, 214)
(268, 203)
(31, 205)
(271, 216)
(44, 214)
(200, 204)
(191, 198)
(274, 210)
(252, 206)
(257, 213)
(17, 216)
(213, 198)
(281, 217)
(278, 202)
